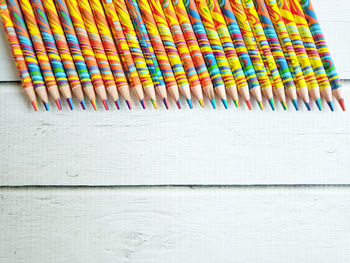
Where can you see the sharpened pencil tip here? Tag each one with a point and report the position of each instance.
(248, 104)
(342, 104)
(35, 105)
(236, 102)
(201, 102)
(117, 104)
(189, 102)
(105, 104)
(143, 103)
(319, 104)
(261, 105)
(82, 103)
(331, 105)
(70, 103)
(165, 101)
(272, 104)
(94, 104)
(307, 105)
(284, 105)
(46, 105)
(178, 104)
(154, 103)
(58, 104)
(213, 103)
(225, 103)
(295, 104)
(128, 103)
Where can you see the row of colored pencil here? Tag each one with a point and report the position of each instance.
(224, 48)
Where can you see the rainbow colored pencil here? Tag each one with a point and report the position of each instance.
(64, 51)
(171, 50)
(145, 43)
(52, 51)
(84, 41)
(159, 49)
(323, 50)
(263, 44)
(277, 52)
(195, 50)
(41, 52)
(17, 54)
(207, 51)
(312, 55)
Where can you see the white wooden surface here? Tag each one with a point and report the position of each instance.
(147, 223)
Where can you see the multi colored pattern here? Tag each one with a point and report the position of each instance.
(169, 43)
(275, 45)
(123, 48)
(143, 38)
(251, 44)
(239, 44)
(321, 43)
(192, 43)
(293, 60)
(204, 43)
(180, 43)
(227, 44)
(157, 43)
(299, 42)
(263, 44)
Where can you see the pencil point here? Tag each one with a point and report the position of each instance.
(189, 102)
(307, 105)
(225, 103)
(82, 103)
(154, 102)
(213, 103)
(248, 104)
(128, 103)
(342, 104)
(105, 104)
(70, 103)
(46, 105)
(117, 104)
(165, 101)
(35, 105)
(272, 104)
(178, 104)
(331, 105)
(318, 103)
(58, 104)
(201, 102)
(236, 103)
(93, 103)
(260, 105)
(143, 103)
(295, 104)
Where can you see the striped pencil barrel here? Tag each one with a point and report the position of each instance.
(171, 50)
(210, 60)
(277, 51)
(218, 50)
(265, 50)
(17, 53)
(71, 8)
(295, 65)
(230, 50)
(52, 51)
(74, 47)
(183, 50)
(145, 43)
(28, 51)
(40, 51)
(323, 50)
(241, 49)
(253, 50)
(159, 49)
(316, 65)
(125, 53)
(63, 50)
(104, 61)
(195, 50)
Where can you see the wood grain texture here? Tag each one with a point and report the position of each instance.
(202, 146)
(251, 225)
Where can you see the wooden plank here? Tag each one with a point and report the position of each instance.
(202, 146)
(334, 19)
(175, 225)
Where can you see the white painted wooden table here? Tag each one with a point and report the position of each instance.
(134, 171)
